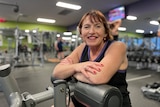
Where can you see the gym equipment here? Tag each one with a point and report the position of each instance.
(93, 95)
(152, 91)
(157, 62)
(98, 95)
(23, 57)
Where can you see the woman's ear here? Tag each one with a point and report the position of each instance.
(105, 35)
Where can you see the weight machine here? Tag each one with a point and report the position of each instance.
(93, 95)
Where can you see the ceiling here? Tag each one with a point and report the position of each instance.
(145, 10)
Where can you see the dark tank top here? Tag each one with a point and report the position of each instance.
(119, 78)
(60, 46)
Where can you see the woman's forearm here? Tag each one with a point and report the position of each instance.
(63, 71)
(83, 70)
(82, 78)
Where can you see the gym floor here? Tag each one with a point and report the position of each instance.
(36, 79)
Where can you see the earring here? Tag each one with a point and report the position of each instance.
(105, 38)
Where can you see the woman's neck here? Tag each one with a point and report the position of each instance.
(95, 51)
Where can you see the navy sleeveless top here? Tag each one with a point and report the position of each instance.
(119, 78)
(60, 46)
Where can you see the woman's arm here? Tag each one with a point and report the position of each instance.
(114, 25)
(70, 65)
(93, 72)
(65, 68)
(114, 59)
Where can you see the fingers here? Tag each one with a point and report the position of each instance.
(93, 67)
(96, 67)
(85, 72)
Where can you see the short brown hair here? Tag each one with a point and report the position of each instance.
(96, 15)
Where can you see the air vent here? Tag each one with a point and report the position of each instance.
(65, 12)
(147, 18)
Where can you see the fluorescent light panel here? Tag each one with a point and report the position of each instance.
(153, 22)
(67, 33)
(139, 31)
(66, 38)
(73, 40)
(46, 20)
(68, 5)
(58, 35)
(122, 29)
(34, 31)
(26, 31)
(151, 32)
(131, 17)
(74, 36)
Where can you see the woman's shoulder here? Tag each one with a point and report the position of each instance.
(118, 45)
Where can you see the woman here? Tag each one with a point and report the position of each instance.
(98, 60)
(59, 48)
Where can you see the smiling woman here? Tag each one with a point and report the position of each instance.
(98, 60)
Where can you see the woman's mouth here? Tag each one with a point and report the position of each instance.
(92, 37)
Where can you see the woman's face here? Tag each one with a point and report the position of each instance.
(92, 33)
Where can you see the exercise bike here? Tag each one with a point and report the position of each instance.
(92, 95)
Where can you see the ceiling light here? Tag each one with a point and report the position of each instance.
(131, 17)
(153, 22)
(66, 38)
(67, 33)
(67, 5)
(58, 35)
(139, 31)
(73, 40)
(46, 20)
(26, 31)
(151, 32)
(122, 29)
(34, 31)
(74, 36)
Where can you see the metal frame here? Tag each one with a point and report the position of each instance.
(94, 95)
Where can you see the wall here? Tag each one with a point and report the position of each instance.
(128, 34)
(28, 26)
(31, 26)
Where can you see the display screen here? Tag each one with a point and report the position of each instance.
(117, 13)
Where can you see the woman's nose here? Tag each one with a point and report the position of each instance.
(92, 30)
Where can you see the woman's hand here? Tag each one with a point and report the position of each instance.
(89, 67)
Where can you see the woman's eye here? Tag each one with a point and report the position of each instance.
(86, 27)
(98, 26)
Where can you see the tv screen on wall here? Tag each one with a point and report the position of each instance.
(117, 13)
